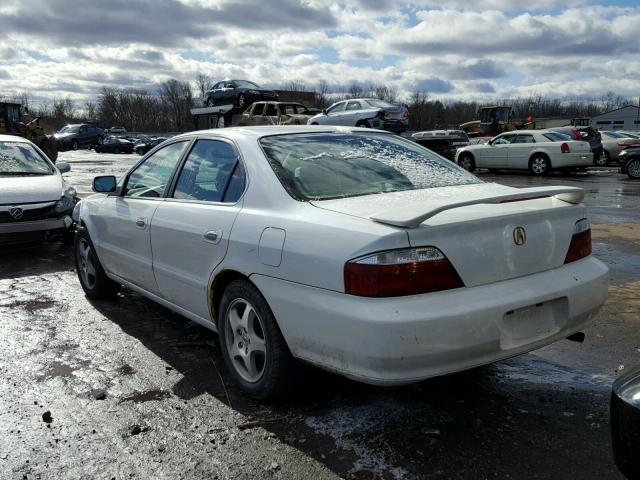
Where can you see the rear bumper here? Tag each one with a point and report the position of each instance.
(582, 159)
(36, 225)
(407, 339)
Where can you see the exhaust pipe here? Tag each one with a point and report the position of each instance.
(577, 337)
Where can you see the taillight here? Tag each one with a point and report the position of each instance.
(580, 245)
(396, 273)
(564, 148)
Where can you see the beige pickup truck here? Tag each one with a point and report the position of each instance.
(276, 113)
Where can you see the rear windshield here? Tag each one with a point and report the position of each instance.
(557, 136)
(323, 166)
(614, 134)
(20, 158)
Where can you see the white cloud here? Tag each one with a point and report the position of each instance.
(459, 49)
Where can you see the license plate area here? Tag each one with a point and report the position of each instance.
(533, 323)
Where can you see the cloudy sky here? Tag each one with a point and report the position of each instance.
(467, 49)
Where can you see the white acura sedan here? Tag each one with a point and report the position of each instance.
(35, 201)
(350, 249)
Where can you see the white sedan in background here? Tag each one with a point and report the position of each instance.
(354, 250)
(35, 201)
(364, 112)
(538, 151)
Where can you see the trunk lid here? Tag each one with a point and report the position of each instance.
(476, 232)
(579, 147)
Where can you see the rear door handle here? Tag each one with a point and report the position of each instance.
(141, 222)
(213, 236)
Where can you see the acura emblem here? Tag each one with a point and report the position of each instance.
(16, 213)
(519, 236)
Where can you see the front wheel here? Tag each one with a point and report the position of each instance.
(603, 160)
(252, 345)
(633, 168)
(467, 162)
(241, 100)
(210, 102)
(94, 282)
(74, 145)
(539, 165)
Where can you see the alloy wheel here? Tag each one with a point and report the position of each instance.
(539, 165)
(245, 340)
(633, 169)
(87, 263)
(465, 162)
(603, 159)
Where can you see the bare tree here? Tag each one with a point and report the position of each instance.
(295, 86)
(322, 94)
(179, 100)
(355, 90)
(203, 83)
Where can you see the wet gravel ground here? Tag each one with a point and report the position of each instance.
(131, 390)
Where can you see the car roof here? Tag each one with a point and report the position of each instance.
(268, 130)
(14, 138)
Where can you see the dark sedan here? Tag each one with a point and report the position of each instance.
(240, 93)
(72, 137)
(147, 144)
(115, 145)
(630, 162)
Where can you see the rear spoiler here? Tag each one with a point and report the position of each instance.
(413, 215)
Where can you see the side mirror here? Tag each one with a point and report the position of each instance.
(324, 111)
(63, 167)
(104, 184)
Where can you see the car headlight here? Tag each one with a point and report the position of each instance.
(67, 201)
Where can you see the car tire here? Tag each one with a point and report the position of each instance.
(466, 161)
(100, 140)
(633, 168)
(117, 151)
(240, 101)
(539, 165)
(93, 280)
(210, 102)
(603, 160)
(363, 124)
(314, 123)
(267, 371)
(75, 145)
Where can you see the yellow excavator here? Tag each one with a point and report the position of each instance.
(12, 122)
(495, 120)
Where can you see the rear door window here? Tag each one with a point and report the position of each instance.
(209, 172)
